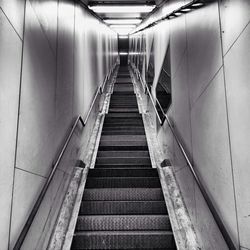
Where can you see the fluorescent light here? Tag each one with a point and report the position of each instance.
(129, 26)
(177, 13)
(186, 10)
(123, 37)
(122, 8)
(197, 4)
(123, 21)
(123, 53)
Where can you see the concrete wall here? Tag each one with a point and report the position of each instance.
(210, 60)
(53, 56)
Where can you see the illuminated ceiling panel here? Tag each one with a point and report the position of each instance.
(122, 11)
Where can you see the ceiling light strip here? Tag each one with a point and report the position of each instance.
(178, 12)
(122, 21)
(122, 8)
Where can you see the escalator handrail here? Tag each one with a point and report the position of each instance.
(208, 200)
(151, 98)
(39, 200)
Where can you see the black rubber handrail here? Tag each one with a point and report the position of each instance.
(39, 200)
(208, 200)
(92, 105)
(150, 96)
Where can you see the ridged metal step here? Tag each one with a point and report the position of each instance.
(122, 207)
(124, 127)
(123, 160)
(123, 240)
(110, 123)
(124, 80)
(123, 194)
(123, 94)
(119, 110)
(113, 119)
(123, 172)
(122, 166)
(122, 145)
(123, 182)
(109, 142)
(123, 88)
(128, 99)
(122, 115)
(123, 103)
(123, 222)
(125, 146)
(119, 119)
(123, 154)
(131, 127)
(123, 132)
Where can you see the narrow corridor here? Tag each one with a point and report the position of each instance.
(124, 124)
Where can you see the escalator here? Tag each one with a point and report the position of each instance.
(123, 205)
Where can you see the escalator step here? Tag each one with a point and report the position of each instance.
(123, 240)
(123, 194)
(122, 207)
(123, 154)
(123, 160)
(123, 182)
(122, 222)
(123, 172)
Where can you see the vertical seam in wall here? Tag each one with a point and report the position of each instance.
(227, 117)
(17, 122)
(56, 73)
(190, 110)
(74, 41)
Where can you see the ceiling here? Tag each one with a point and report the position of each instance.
(108, 15)
(120, 3)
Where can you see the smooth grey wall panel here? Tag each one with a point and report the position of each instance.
(237, 74)
(10, 68)
(26, 188)
(211, 152)
(65, 69)
(178, 42)
(14, 12)
(36, 139)
(37, 110)
(46, 12)
(235, 16)
(204, 48)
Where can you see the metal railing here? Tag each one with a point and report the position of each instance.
(145, 86)
(39, 200)
(208, 200)
(99, 91)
